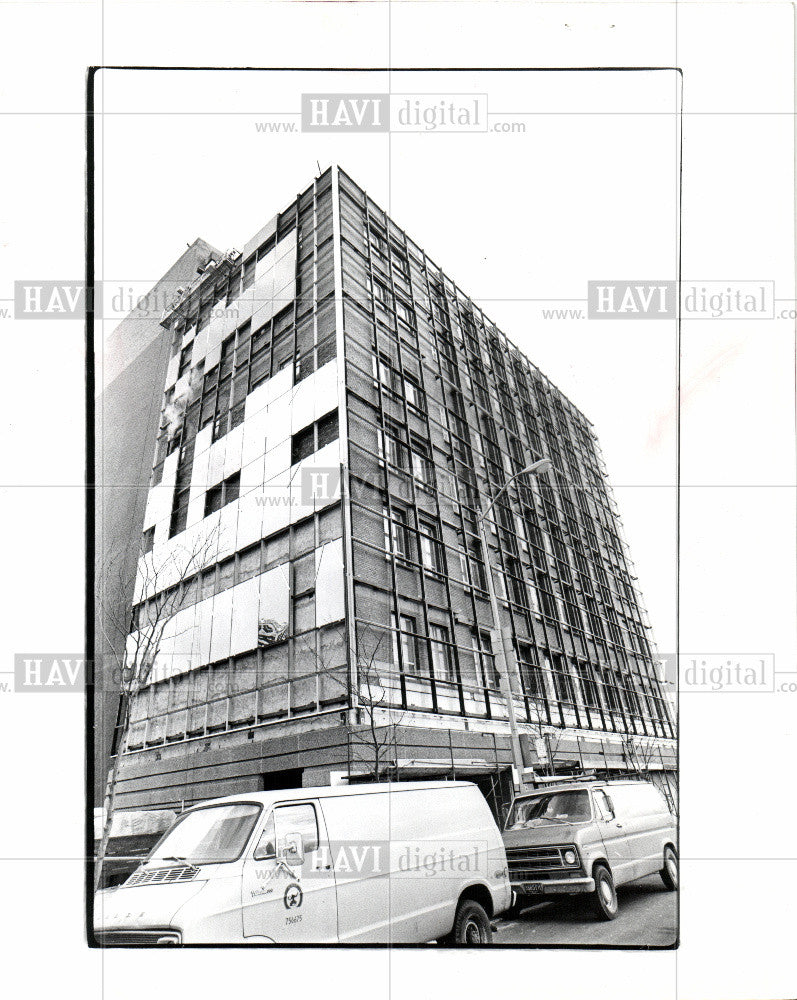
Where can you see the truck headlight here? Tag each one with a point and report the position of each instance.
(570, 857)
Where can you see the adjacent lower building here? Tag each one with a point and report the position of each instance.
(335, 492)
(129, 373)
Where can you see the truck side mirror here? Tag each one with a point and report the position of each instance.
(291, 849)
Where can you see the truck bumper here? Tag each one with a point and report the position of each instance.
(550, 887)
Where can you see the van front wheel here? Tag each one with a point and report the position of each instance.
(605, 896)
(471, 925)
(669, 873)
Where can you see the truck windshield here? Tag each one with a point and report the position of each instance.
(553, 807)
(208, 836)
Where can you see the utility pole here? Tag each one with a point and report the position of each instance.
(502, 637)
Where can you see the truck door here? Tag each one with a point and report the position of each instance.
(288, 889)
(614, 836)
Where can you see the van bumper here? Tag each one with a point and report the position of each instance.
(559, 886)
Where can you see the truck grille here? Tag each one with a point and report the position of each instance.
(538, 862)
(163, 876)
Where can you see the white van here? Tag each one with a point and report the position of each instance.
(588, 837)
(398, 863)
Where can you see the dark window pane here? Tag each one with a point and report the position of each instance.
(303, 444)
(328, 429)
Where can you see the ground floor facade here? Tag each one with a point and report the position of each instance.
(350, 747)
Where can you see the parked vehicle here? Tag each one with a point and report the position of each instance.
(398, 863)
(589, 837)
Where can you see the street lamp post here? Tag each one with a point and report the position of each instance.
(502, 637)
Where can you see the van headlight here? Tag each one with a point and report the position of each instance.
(570, 857)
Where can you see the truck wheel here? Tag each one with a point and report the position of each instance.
(604, 899)
(669, 873)
(471, 925)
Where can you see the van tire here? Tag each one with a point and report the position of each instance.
(604, 899)
(669, 873)
(471, 925)
(519, 903)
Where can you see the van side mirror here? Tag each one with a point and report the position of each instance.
(290, 849)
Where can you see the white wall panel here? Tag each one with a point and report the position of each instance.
(171, 371)
(264, 306)
(278, 460)
(329, 590)
(216, 461)
(254, 437)
(302, 409)
(199, 474)
(265, 266)
(232, 453)
(222, 625)
(196, 509)
(250, 518)
(184, 637)
(325, 388)
(200, 348)
(259, 238)
(276, 510)
(245, 607)
(256, 401)
(228, 529)
(280, 384)
(274, 594)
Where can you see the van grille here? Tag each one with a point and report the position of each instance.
(163, 876)
(534, 862)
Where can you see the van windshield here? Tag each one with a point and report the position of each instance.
(212, 835)
(552, 807)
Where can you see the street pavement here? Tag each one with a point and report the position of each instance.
(647, 917)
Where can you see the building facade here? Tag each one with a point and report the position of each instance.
(336, 447)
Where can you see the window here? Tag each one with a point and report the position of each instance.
(397, 539)
(409, 645)
(328, 429)
(531, 674)
(210, 835)
(441, 653)
(404, 312)
(562, 680)
(295, 819)
(148, 540)
(483, 656)
(249, 273)
(412, 392)
(431, 550)
(185, 360)
(281, 824)
(303, 444)
(266, 849)
(611, 691)
(635, 800)
(421, 462)
(588, 685)
(314, 437)
(475, 564)
(219, 496)
(392, 446)
(179, 518)
(603, 805)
